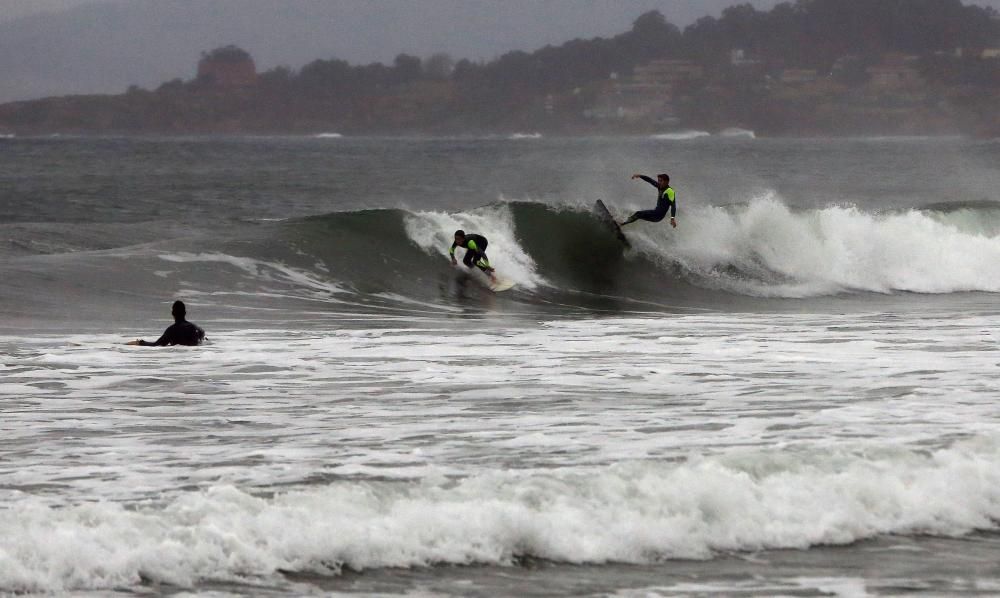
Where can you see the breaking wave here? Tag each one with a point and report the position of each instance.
(762, 249)
(737, 133)
(642, 512)
(681, 135)
(556, 255)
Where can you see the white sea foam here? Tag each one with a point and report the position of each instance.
(630, 512)
(736, 132)
(260, 269)
(906, 138)
(781, 252)
(434, 233)
(444, 441)
(525, 136)
(840, 587)
(682, 135)
(328, 136)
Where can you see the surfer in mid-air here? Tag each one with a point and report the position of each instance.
(475, 252)
(181, 332)
(666, 201)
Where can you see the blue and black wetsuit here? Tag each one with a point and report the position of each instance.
(666, 200)
(475, 252)
(181, 332)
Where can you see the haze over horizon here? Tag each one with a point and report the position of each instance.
(60, 47)
(14, 9)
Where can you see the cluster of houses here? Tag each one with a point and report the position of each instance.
(656, 92)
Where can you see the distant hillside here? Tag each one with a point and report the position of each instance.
(104, 48)
(809, 67)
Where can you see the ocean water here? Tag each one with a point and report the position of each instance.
(793, 393)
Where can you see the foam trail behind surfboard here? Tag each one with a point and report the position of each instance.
(432, 232)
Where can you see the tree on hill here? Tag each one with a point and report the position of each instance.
(439, 66)
(230, 53)
(651, 37)
(227, 67)
(815, 33)
(810, 34)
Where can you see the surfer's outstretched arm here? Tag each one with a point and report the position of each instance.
(647, 179)
(459, 241)
(160, 342)
(182, 333)
(163, 341)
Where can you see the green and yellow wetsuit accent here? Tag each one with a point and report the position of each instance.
(666, 201)
(475, 254)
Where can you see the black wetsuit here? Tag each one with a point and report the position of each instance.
(665, 201)
(181, 332)
(475, 252)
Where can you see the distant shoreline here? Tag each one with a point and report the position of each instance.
(503, 136)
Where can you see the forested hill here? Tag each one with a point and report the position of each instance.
(736, 69)
(805, 34)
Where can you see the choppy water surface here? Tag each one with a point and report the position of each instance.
(789, 394)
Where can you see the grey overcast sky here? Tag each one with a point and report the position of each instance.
(12, 9)
(56, 47)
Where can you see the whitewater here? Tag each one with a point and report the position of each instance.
(792, 393)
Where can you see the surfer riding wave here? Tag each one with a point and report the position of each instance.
(475, 252)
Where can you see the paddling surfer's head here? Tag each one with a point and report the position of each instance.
(460, 236)
(178, 310)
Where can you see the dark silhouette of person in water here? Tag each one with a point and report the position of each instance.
(181, 332)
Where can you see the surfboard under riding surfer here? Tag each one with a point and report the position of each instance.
(475, 252)
(666, 200)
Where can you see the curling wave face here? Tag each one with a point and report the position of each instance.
(557, 256)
